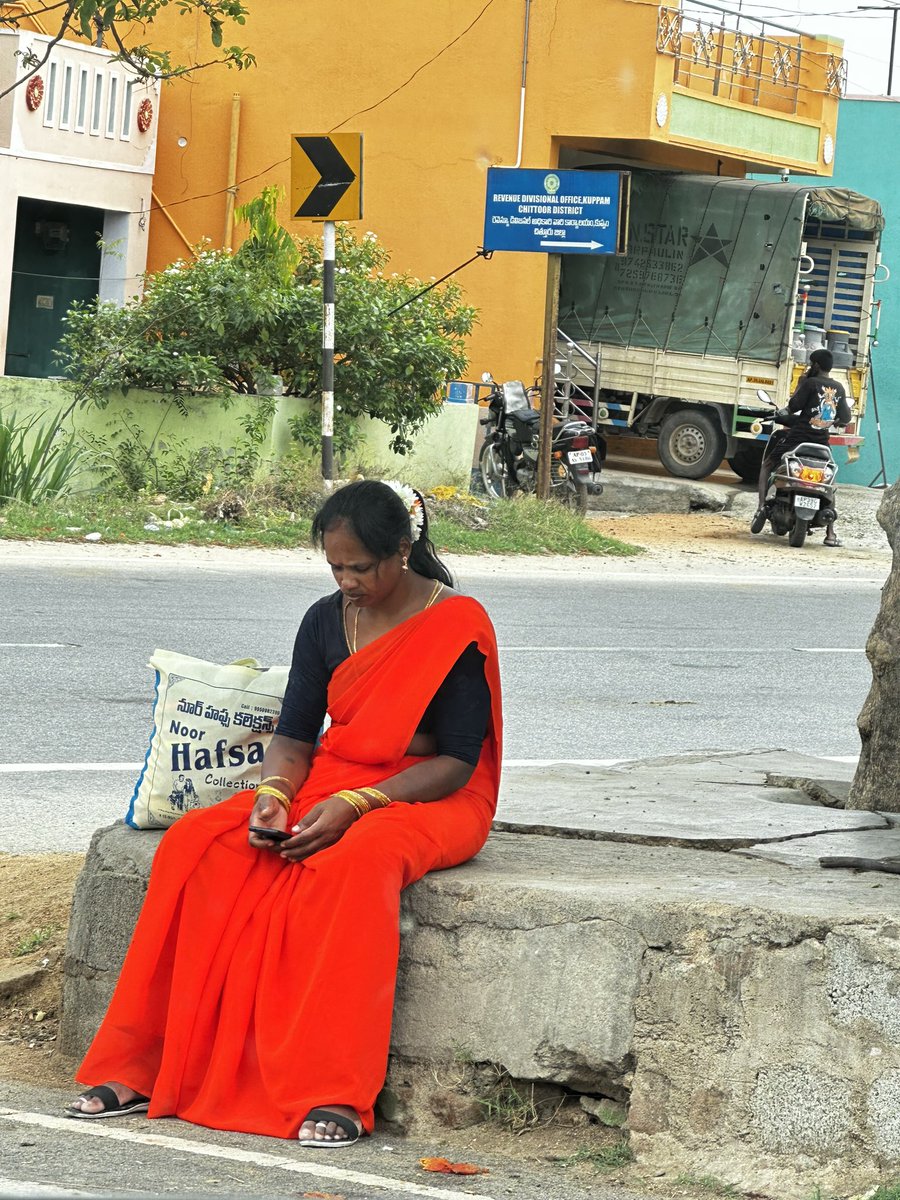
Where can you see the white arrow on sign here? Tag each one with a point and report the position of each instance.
(575, 245)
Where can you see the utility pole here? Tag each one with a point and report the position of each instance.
(893, 10)
(328, 248)
(548, 378)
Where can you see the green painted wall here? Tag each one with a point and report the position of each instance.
(443, 450)
(756, 133)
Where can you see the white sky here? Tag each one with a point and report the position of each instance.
(867, 35)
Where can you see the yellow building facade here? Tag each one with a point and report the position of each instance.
(444, 89)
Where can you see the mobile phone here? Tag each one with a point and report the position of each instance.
(273, 835)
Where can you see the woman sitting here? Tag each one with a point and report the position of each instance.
(258, 989)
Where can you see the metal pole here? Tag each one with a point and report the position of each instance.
(328, 354)
(548, 378)
(891, 60)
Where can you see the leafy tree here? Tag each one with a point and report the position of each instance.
(116, 21)
(222, 322)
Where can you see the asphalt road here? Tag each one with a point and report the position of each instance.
(603, 662)
(597, 665)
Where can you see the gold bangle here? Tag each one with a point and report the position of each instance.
(352, 804)
(379, 797)
(358, 801)
(283, 778)
(267, 790)
(278, 795)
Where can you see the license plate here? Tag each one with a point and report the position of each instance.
(579, 456)
(806, 502)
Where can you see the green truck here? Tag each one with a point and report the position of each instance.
(726, 287)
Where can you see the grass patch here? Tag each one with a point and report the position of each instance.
(604, 1158)
(887, 1191)
(34, 941)
(460, 525)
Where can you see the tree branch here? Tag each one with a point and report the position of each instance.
(54, 41)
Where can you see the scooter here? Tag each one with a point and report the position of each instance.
(801, 489)
(509, 457)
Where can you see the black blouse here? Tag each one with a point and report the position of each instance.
(457, 715)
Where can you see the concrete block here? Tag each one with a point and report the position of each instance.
(744, 1009)
(108, 898)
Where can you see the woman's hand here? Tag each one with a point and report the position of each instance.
(324, 824)
(270, 814)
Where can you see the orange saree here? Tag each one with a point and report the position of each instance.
(254, 989)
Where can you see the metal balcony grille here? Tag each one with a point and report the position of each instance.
(736, 57)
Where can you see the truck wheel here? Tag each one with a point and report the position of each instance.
(690, 443)
(798, 533)
(492, 474)
(747, 462)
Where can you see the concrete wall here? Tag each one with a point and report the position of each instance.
(442, 453)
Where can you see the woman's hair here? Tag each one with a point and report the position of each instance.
(378, 518)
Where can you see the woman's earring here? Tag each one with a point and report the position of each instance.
(403, 560)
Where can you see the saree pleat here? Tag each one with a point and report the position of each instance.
(255, 990)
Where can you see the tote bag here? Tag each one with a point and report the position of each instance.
(212, 724)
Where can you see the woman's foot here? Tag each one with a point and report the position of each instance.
(107, 1100)
(331, 1127)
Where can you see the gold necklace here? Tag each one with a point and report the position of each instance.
(436, 590)
(351, 641)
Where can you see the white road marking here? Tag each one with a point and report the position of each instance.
(255, 1158)
(676, 649)
(830, 649)
(842, 758)
(31, 768)
(34, 645)
(564, 762)
(22, 1187)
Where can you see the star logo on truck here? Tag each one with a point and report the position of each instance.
(711, 246)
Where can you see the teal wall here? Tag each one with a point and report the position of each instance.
(866, 161)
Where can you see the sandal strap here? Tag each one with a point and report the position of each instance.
(325, 1114)
(105, 1095)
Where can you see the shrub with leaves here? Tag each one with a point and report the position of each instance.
(219, 322)
(37, 461)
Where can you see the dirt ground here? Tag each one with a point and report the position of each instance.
(35, 899)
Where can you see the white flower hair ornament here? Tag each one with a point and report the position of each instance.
(413, 506)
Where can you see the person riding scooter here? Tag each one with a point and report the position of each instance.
(818, 403)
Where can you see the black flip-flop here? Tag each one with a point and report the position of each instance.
(112, 1106)
(321, 1116)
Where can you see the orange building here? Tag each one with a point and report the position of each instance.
(443, 90)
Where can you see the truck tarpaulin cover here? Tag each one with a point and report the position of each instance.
(710, 268)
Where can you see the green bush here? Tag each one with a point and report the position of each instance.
(36, 459)
(221, 322)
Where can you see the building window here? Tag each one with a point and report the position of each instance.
(111, 106)
(97, 104)
(50, 106)
(126, 110)
(65, 109)
(81, 101)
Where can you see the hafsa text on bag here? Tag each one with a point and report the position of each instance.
(211, 726)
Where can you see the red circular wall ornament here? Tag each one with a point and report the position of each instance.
(34, 93)
(145, 115)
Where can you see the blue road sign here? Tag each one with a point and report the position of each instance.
(553, 212)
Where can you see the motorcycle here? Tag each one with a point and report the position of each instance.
(509, 457)
(801, 488)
